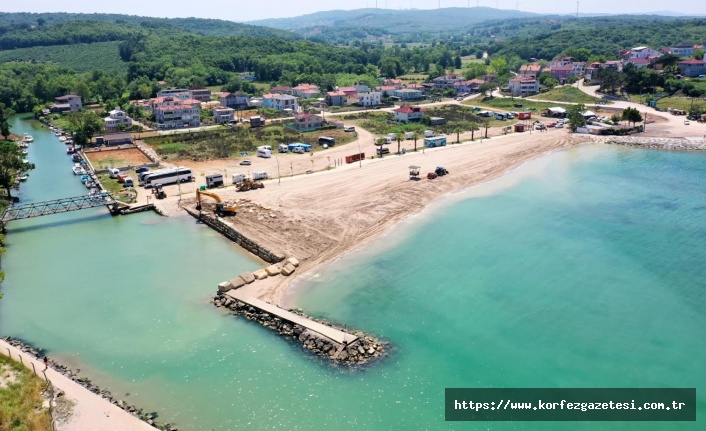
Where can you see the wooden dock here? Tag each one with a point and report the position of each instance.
(336, 335)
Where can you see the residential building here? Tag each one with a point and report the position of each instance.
(471, 86)
(562, 73)
(305, 90)
(561, 62)
(639, 62)
(419, 87)
(408, 94)
(73, 101)
(281, 89)
(223, 115)
(178, 93)
(370, 98)
(639, 52)
(116, 118)
(409, 113)
(530, 70)
(280, 102)
(393, 83)
(520, 86)
(335, 98)
(305, 121)
(178, 115)
(682, 49)
(579, 68)
(692, 68)
(234, 100)
(446, 81)
(200, 93)
(387, 90)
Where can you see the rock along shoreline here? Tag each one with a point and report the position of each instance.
(149, 418)
(363, 351)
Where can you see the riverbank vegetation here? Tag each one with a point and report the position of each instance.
(21, 400)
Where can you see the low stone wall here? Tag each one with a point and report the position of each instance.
(362, 351)
(235, 236)
(149, 418)
(677, 144)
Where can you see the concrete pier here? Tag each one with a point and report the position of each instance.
(333, 334)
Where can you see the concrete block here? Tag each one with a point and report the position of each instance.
(273, 270)
(294, 261)
(247, 277)
(260, 275)
(237, 283)
(224, 287)
(288, 269)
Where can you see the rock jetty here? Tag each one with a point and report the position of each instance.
(676, 144)
(363, 350)
(148, 417)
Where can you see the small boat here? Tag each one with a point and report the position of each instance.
(90, 184)
(70, 150)
(62, 138)
(76, 157)
(25, 160)
(23, 144)
(25, 152)
(78, 170)
(27, 137)
(69, 140)
(57, 133)
(23, 177)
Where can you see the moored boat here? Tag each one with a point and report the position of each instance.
(27, 137)
(78, 170)
(23, 177)
(62, 138)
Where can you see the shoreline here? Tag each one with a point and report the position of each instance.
(314, 223)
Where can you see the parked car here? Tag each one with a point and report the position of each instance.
(551, 124)
(686, 122)
(142, 169)
(349, 129)
(246, 163)
(560, 126)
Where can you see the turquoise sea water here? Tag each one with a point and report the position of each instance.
(581, 269)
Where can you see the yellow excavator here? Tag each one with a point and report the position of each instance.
(222, 208)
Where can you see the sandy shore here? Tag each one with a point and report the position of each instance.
(319, 217)
(90, 412)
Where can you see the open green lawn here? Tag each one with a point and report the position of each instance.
(230, 142)
(82, 57)
(682, 103)
(566, 94)
(21, 398)
(509, 104)
(414, 78)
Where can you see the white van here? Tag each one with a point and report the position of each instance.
(113, 172)
(264, 153)
(128, 183)
(259, 175)
(389, 139)
(429, 133)
(238, 178)
(409, 135)
(283, 148)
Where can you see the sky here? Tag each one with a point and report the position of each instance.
(234, 10)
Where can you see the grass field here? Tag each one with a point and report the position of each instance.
(118, 158)
(508, 104)
(225, 143)
(83, 57)
(21, 398)
(566, 94)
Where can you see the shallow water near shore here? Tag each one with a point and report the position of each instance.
(584, 271)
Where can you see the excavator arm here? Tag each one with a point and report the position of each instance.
(221, 207)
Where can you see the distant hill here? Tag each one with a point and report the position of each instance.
(395, 22)
(206, 27)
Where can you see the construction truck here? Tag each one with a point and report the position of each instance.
(222, 208)
(248, 184)
(159, 192)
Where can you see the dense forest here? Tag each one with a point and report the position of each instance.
(124, 57)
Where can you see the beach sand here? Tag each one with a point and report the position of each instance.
(317, 218)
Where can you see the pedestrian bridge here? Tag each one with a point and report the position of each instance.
(38, 209)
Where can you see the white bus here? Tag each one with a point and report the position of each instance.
(264, 152)
(168, 176)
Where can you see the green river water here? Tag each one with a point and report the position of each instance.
(583, 268)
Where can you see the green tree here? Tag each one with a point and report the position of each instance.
(699, 54)
(475, 70)
(415, 136)
(5, 114)
(550, 83)
(631, 115)
(84, 125)
(458, 131)
(379, 142)
(11, 164)
(473, 127)
(575, 115)
(486, 124)
(487, 89)
(457, 62)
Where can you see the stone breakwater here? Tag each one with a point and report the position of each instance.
(676, 144)
(231, 233)
(148, 417)
(362, 351)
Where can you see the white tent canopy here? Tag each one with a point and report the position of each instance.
(557, 110)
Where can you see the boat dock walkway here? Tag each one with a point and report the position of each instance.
(38, 209)
(327, 331)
